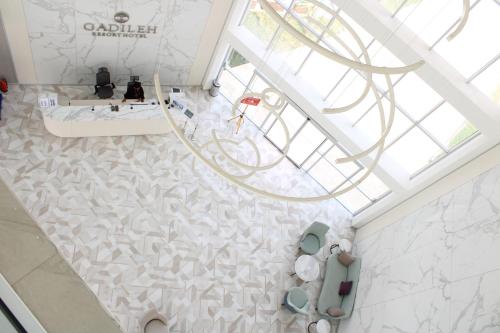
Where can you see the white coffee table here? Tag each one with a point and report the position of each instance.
(307, 268)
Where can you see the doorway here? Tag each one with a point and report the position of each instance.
(7, 70)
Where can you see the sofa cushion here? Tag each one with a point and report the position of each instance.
(335, 311)
(345, 288)
(310, 244)
(345, 258)
(352, 275)
(334, 274)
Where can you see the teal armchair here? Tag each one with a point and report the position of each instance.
(313, 239)
(296, 300)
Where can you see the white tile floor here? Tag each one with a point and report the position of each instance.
(146, 230)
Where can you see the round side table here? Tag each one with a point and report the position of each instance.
(320, 326)
(344, 245)
(307, 268)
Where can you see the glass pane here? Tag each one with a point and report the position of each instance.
(347, 169)
(393, 5)
(370, 124)
(430, 19)
(258, 84)
(307, 140)
(231, 88)
(349, 90)
(414, 151)
(257, 114)
(311, 161)
(372, 186)
(316, 18)
(268, 123)
(477, 43)
(448, 126)
(239, 66)
(290, 49)
(489, 82)
(259, 23)
(325, 146)
(325, 174)
(353, 200)
(415, 96)
(321, 73)
(293, 120)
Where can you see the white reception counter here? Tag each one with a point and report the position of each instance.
(84, 118)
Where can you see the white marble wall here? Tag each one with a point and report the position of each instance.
(64, 53)
(437, 270)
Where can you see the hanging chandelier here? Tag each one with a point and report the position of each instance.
(273, 100)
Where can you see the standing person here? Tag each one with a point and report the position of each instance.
(1, 98)
(4, 87)
(134, 91)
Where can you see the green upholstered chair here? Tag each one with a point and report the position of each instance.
(313, 238)
(296, 300)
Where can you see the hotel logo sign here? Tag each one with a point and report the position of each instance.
(121, 17)
(120, 29)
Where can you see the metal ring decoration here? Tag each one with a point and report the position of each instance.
(328, 53)
(237, 181)
(264, 96)
(462, 22)
(266, 100)
(369, 80)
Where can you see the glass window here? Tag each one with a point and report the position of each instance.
(326, 175)
(311, 161)
(292, 51)
(259, 23)
(414, 150)
(477, 43)
(448, 126)
(293, 119)
(347, 169)
(314, 17)
(325, 146)
(354, 200)
(239, 67)
(321, 73)
(306, 141)
(370, 124)
(415, 96)
(231, 87)
(430, 19)
(371, 186)
(489, 82)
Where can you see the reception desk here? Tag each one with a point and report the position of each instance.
(84, 118)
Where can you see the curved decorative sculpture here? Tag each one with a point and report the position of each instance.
(221, 154)
(237, 179)
(328, 53)
(462, 22)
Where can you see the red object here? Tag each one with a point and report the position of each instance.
(251, 101)
(345, 288)
(4, 86)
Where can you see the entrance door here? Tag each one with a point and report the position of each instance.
(6, 64)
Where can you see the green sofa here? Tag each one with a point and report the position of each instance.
(329, 297)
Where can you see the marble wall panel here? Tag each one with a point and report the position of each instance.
(55, 16)
(434, 270)
(56, 57)
(173, 48)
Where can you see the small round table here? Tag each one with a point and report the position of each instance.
(307, 268)
(344, 245)
(320, 326)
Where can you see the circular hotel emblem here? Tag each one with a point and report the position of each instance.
(121, 17)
